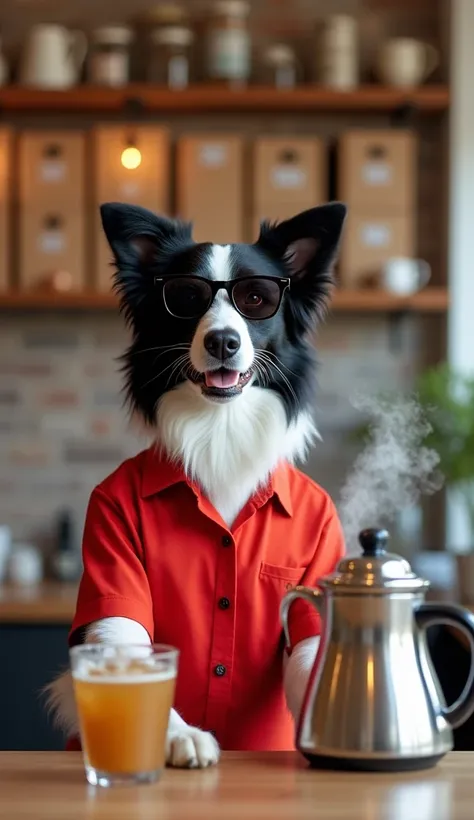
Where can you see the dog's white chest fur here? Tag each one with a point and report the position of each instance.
(230, 449)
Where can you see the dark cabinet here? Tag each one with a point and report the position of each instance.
(30, 657)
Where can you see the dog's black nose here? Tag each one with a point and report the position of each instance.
(222, 344)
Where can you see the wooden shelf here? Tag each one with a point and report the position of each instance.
(211, 98)
(49, 602)
(430, 300)
(48, 300)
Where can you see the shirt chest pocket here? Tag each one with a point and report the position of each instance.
(281, 578)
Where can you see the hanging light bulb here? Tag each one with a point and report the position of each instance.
(131, 157)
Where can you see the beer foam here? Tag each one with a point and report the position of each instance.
(133, 678)
(117, 671)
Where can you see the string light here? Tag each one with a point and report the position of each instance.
(131, 158)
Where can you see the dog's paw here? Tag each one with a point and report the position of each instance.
(190, 748)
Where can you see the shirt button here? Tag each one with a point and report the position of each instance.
(220, 670)
(226, 541)
(224, 603)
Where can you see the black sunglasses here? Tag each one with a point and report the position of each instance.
(254, 297)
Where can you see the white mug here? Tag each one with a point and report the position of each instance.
(405, 62)
(53, 57)
(5, 549)
(25, 565)
(404, 276)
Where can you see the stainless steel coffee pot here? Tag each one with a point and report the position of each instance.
(373, 700)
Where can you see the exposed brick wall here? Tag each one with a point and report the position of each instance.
(63, 427)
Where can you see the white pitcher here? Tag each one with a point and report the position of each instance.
(405, 62)
(53, 57)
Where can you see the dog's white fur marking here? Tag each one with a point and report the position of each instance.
(230, 449)
(186, 746)
(221, 315)
(220, 266)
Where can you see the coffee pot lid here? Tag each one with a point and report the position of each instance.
(376, 571)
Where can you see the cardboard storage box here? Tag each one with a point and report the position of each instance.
(5, 166)
(51, 240)
(369, 242)
(147, 185)
(377, 171)
(288, 174)
(51, 168)
(210, 186)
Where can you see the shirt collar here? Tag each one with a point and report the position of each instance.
(159, 473)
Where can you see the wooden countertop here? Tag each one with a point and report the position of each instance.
(50, 602)
(245, 786)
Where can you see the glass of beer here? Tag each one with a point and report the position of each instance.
(124, 695)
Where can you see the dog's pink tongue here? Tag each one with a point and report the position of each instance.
(222, 378)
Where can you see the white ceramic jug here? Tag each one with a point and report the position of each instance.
(53, 57)
(405, 62)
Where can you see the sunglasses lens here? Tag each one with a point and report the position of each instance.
(257, 298)
(187, 297)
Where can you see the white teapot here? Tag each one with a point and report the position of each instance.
(53, 57)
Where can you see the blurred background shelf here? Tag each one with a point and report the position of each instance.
(430, 300)
(47, 603)
(214, 98)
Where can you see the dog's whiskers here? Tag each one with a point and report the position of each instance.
(261, 372)
(175, 350)
(178, 368)
(178, 362)
(165, 348)
(264, 359)
(267, 353)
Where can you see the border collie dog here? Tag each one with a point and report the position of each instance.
(221, 365)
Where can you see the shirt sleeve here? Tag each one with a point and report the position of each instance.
(114, 581)
(304, 621)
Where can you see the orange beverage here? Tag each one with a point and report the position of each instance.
(123, 702)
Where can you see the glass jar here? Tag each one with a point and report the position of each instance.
(170, 60)
(109, 62)
(338, 53)
(280, 66)
(228, 43)
(166, 14)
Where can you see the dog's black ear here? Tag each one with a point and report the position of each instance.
(139, 239)
(307, 246)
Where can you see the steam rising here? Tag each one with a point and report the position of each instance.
(393, 470)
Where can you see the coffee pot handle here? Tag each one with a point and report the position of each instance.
(312, 596)
(433, 614)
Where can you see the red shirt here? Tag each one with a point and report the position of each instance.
(156, 551)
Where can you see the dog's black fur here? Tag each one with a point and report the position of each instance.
(146, 245)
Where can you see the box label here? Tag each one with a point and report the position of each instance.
(213, 155)
(51, 242)
(52, 170)
(288, 177)
(375, 235)
(377, 173)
